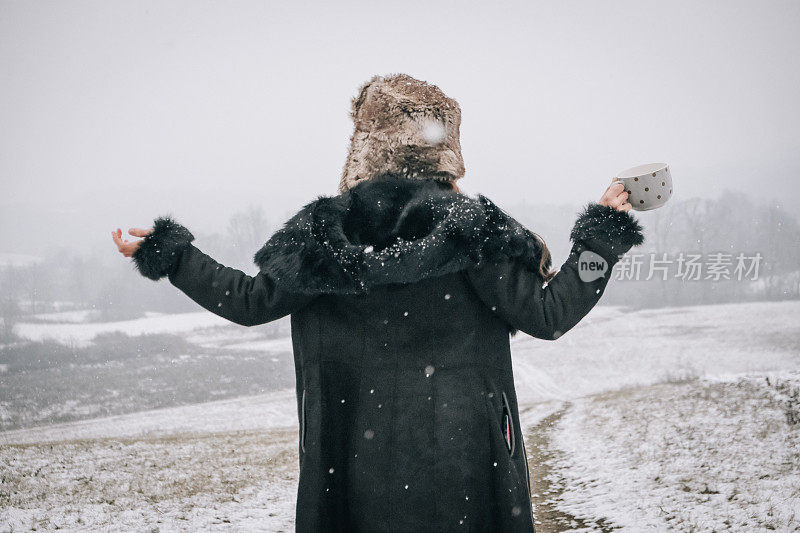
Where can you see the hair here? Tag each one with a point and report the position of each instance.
(545, 271)
(545, 261)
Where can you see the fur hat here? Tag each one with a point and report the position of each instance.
(403, 126)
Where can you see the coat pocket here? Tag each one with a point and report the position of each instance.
(303, 422)
(507, 422)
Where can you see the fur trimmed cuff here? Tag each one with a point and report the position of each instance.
(159, 251)
(613, 232)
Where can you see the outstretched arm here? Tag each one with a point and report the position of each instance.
(602, 232)
(167, 250)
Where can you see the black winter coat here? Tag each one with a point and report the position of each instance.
(402, 298)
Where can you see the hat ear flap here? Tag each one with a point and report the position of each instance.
(357, 101)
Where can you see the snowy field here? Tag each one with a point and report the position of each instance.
(67, 368)
(703, 455)
(682, 419)
(69, 329)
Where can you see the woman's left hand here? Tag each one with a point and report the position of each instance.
(616, 197)
(126, 247)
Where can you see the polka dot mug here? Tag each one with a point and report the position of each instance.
(648, 186)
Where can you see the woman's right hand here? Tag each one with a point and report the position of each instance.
(127, 248)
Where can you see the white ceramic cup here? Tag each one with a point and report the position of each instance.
(649, 186)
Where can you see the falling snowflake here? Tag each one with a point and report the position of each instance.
(434, 132)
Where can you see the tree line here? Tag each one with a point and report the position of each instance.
(729, 224)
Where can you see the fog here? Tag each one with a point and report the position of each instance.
(126, 406)
(115, 112)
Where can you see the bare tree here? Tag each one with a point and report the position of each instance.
(247, 231)
(9, 307)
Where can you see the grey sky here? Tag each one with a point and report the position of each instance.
(114, 112)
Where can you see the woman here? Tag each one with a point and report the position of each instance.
(403, 294)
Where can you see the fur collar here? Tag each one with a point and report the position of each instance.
(391, 229)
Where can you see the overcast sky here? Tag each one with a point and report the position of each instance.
(112, 112)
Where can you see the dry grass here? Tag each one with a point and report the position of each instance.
(182, 481)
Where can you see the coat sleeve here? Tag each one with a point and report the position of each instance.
(227, 292)
(548, 310)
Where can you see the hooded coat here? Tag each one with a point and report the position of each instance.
(403, 297)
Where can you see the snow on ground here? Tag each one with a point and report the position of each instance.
(82, 334)
(237, 338)
(613, 348)
(70, 317)
(232, 463)
(201, 328)
(702, 455)
(264, 345)
(116, 374)
(241, 480)
(262, 412)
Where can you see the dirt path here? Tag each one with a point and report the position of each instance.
(547, 485)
